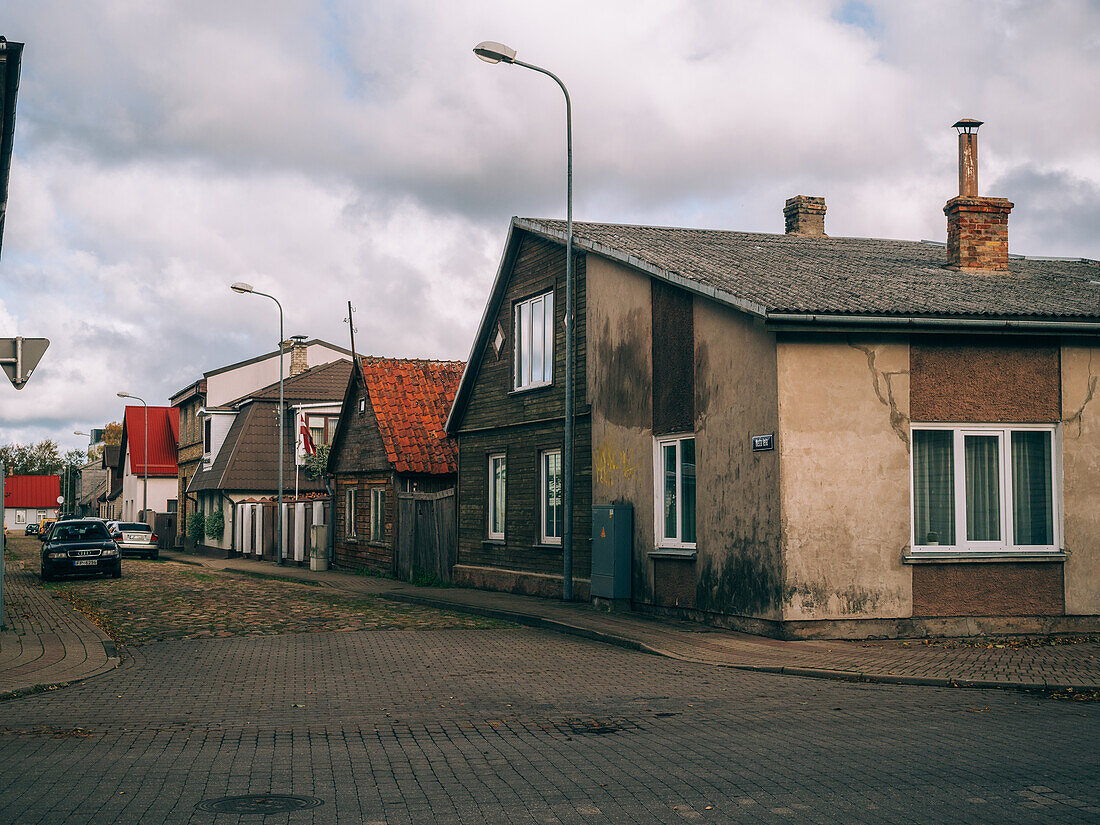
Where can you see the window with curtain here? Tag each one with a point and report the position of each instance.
(984, 488)
(497, 486)
(378, 514)
(551, 496)
(534, 342)
(676, 485)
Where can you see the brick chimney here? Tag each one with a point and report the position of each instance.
(977, 227)
(298, 361)
(805, 216)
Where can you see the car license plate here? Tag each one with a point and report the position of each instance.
(137, 537)
(85, 562)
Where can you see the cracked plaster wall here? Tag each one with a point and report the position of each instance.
(1081, 474)
(844, 477)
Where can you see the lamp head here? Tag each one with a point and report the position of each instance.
(241, 286)
(492, 52)
(123, 395)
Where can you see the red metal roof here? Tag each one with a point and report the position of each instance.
(411, 399)
(164, 428)
(40, 492)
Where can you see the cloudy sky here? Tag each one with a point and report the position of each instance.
(335, 150)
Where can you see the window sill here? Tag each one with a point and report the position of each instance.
(492, 542)
(682, 553)
(972, 557)
(532, 388)
(545, 545)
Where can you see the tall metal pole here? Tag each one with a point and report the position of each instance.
(3, 622)
(145, 474)
(567, 451)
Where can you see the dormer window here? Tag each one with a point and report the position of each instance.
(534, 349)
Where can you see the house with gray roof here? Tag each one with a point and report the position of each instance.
(815, 437)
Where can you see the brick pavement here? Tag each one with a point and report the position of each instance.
(527, 726)
(1057, 667)
(45, 642)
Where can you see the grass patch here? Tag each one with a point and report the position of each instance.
(427, 578)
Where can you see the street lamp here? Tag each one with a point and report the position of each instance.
(145, 468)
(242, 287)
(492, 52)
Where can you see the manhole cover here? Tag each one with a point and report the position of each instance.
(264, 803)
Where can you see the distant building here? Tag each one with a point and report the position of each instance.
(29, 499)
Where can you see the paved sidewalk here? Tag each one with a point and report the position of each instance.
(45, 641)
(1053, 667)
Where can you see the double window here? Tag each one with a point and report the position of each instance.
(983, 488)
(534, 349)
(321, 429)
(378, 514)
(550, 498)
(497, 486)
(675, 489)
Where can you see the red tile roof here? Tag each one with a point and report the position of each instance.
(411, 399)
(40, 492)
(164, 428)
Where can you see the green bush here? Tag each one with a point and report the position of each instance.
(215, 524)
(316, 463)
(196, 526)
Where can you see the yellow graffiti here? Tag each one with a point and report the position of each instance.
(612, 464)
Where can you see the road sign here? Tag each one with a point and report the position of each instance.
(19, 357)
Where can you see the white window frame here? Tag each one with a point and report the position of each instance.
(349, 513)
(498, 536)
(20, 516)
(659, 442)
(544, 510)
(1006, 547)
(378, 514)
(522, 336)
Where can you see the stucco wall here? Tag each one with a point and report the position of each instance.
(1081, 472)
(844, 453)
(738, 506)
(620, 390)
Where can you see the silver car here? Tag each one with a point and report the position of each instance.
(134, 538)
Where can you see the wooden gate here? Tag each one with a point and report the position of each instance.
(426, 535)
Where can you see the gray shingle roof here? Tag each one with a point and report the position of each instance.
(769, 274)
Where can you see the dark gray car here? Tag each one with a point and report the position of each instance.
(80, 546)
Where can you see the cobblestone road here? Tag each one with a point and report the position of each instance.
(518, 725)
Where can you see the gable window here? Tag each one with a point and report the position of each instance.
(534, 348)
(362, 406)
(378, 514)
(497, 485)
(550, 496)
(982, 488)
(349, 513)
(674, 489)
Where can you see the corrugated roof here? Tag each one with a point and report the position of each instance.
(164, 427)
(40, 492)
(411, 399)
(766, 274)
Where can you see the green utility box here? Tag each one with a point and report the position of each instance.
(612, 548)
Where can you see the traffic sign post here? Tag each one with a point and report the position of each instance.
(19, 356)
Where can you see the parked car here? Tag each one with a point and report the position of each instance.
(80, 546)
(31, 529)
(135, 538)
(44, 527)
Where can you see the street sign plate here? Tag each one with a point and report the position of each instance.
(19, 357)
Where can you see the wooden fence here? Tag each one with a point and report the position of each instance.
(426, 534)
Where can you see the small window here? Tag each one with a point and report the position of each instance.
(534, 342)
(362, 406)
(378, 514)
(206, 435)
(675, 488)
(20, 516)
(497, 487)
(349, 513)
(550, 496)
(317, 430)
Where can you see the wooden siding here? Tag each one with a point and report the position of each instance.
(358, 447)
(522, 424)
(360, 551)
(521, 549)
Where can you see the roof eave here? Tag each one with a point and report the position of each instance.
(826, 322)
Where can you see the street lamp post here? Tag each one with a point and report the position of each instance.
(492, 52)
(145, 467)
(78, 432)
(242, 287)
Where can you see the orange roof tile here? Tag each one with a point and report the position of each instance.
(411, 399)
